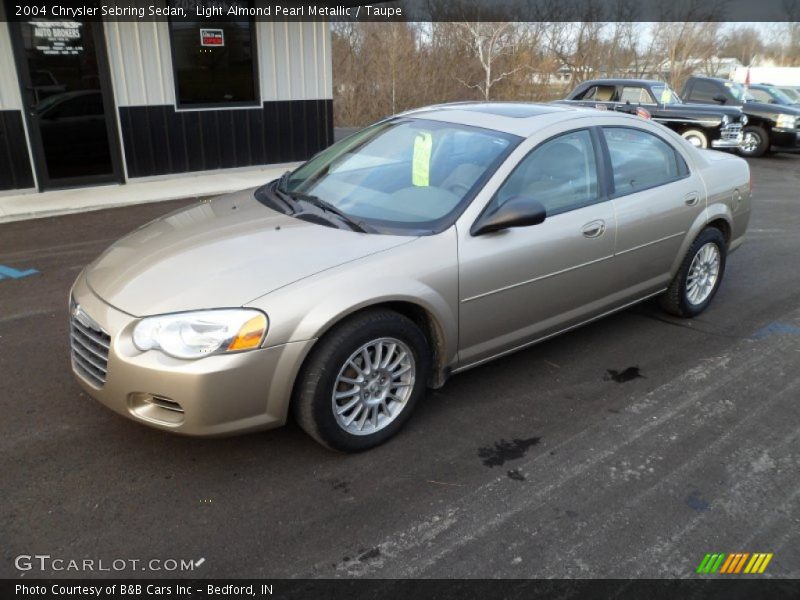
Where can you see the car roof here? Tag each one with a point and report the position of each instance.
(517, 118)
(621, 82)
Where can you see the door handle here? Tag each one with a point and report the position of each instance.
(594, 229)
(691, 199)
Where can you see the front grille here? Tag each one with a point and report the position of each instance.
(731, 132)
(89, 344)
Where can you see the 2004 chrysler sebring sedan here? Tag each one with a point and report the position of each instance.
(421, 246)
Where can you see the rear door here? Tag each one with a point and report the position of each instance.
(656, 200)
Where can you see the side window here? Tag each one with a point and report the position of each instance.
(561, 174)
(641, 160)
(599, 93)
(761, 95)
(636, 95)
(704, 91)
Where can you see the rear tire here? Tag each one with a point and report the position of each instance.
(696, 138)
(698, 277)
(755, 142)
(357, 372)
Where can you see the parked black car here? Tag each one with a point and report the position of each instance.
(703, 126)
(770, 125)
(791, 91)
(770, 94)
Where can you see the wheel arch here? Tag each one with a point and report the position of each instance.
(425, 317)
(717, 216)
(755, 121)
(724, 226)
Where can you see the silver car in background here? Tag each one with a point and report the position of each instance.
(421, 246)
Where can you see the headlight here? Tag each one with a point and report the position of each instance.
(787, 121)
(725, 120)
(199, 334)
(744, 120)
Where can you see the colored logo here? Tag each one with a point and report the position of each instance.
(736, 563)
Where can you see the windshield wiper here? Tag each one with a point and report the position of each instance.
(275, 197)
(328, 207)
(282, 187)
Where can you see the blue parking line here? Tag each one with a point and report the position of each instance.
(9, 273)
(779, 328)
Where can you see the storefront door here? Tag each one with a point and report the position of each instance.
(69, 103)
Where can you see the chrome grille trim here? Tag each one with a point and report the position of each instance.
(731, 132)
(98, 336)
(89, 346)
(100, 366)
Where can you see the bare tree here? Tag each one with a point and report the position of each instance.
(743, 43)
(685, 47)
(490, 43)
(791, 57)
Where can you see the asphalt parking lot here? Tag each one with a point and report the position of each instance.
(628, 448)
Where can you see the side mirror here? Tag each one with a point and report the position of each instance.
(516, 212)
(720, 98)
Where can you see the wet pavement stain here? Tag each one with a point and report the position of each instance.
(502, 451)
(622, 376)
(369, 554)
(696, 502)
(515, 475)
(340, 485)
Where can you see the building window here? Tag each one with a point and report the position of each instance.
(214, 62)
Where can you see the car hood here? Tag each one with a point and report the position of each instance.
(222, 253)
(778, 109)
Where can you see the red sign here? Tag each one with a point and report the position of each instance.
(212, 37)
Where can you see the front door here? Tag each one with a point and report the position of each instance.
(69, 103)
(523, 284)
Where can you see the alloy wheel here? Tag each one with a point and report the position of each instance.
(373, 386)
(703, 274)
(750, 142)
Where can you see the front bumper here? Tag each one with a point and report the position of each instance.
(731, 136)
(728, 143)
(213, 396)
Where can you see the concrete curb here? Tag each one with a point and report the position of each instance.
(32, 205)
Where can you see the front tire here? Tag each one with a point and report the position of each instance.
(698, 277)
(362, 380)
(696, 138)
(755, 142)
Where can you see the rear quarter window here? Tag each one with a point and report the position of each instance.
(598, 93)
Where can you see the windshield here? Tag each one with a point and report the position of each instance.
(665, 94)
(739, 92)
(792, 94)
(778, 96)
(404, 175)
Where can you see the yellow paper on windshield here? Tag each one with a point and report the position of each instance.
(421, 162)
(666, 96)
